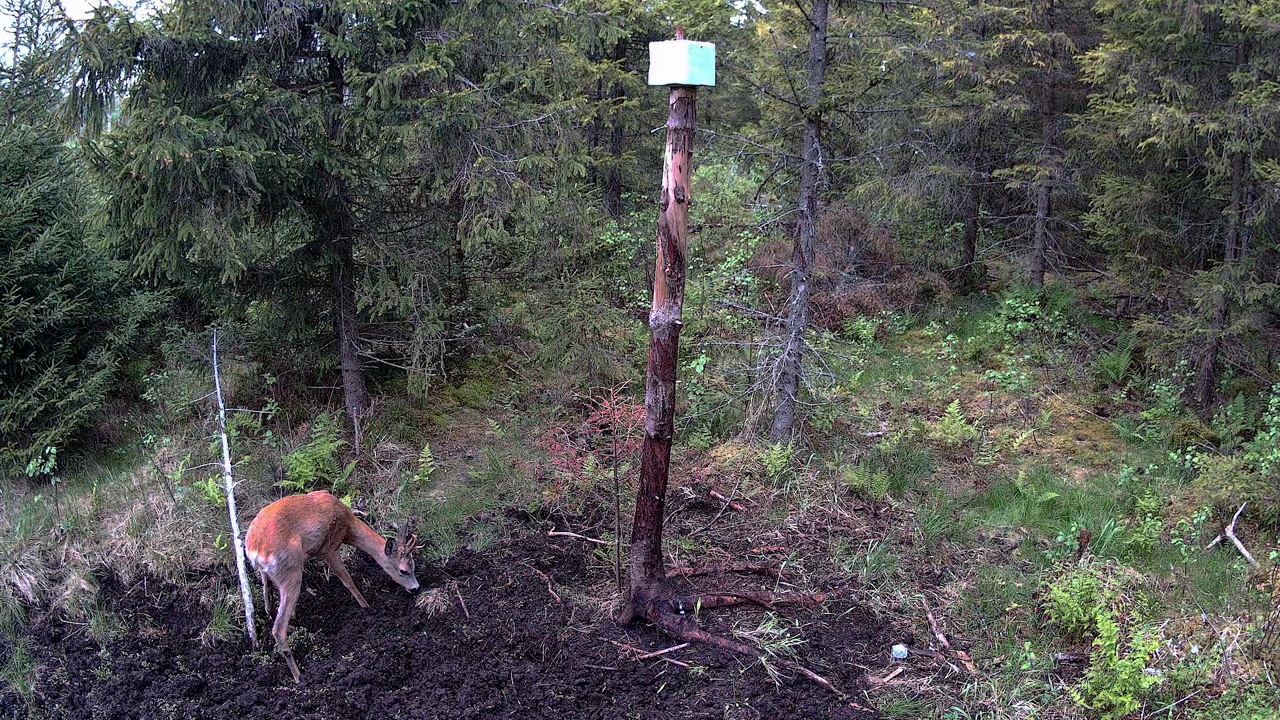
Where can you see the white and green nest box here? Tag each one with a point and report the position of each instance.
(682, 62)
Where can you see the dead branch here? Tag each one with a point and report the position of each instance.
(769, 570)
(960, 655)
(684, 629)
(729, 502)
(656, 653)
(625, 646)
(553, 533)
(1230, 532)
(550, 586)
(896, 672)
(933, 625)
(461, 602)
(229, 488)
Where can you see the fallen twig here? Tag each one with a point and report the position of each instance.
(1173, 705)
(461, 602)
(554, 533)
(730, 502)
(682, 628)
(550, 587)
(656, 653)
(960, 655)
(1230, 532)
(897, 671)
(770, 570)
(933, 625)
(625, 646)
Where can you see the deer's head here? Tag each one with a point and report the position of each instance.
(399, 554)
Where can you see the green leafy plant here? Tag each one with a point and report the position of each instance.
(426, 467)
(316, 461)
(1076, 599)
(778, 460)
(860, 329)
(1112, 367)
(44, 465)
(211, 489)
(1148, 525)
(953, 429)
(1117, 679)
(866, 480)
(1089, 600)
(1013, 379)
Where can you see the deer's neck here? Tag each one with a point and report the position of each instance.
(364, 537)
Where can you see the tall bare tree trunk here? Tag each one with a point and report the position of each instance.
(1049, 155)
(647, 575)
(790, 365)
(649, 594)
(229, 487)
(355, 392)
(1040, 238)
(1235, 247)
(973, 209)
(340, 227)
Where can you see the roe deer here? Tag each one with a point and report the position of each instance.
(289, 530)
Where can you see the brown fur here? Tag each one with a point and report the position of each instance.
(292, 529)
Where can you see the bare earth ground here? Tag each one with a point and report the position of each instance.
(516, 652)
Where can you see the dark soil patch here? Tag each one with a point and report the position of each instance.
(520, 654)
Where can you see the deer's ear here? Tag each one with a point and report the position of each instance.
(390, 549)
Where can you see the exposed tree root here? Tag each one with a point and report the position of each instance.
(674, 615)
(766, 600)
(685, 629)
(771, 570)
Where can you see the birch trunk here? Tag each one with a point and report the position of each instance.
(229, 487)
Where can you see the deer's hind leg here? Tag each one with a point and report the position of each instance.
(266, 591)
(290, 588)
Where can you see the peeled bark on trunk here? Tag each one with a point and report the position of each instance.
(790, 365)
(650, 595)
(647, 576)
(233, 515)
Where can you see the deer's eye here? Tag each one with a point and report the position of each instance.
(404, 572)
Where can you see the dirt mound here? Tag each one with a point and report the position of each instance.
(519, 654)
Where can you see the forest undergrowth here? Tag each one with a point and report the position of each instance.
(998, 482)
